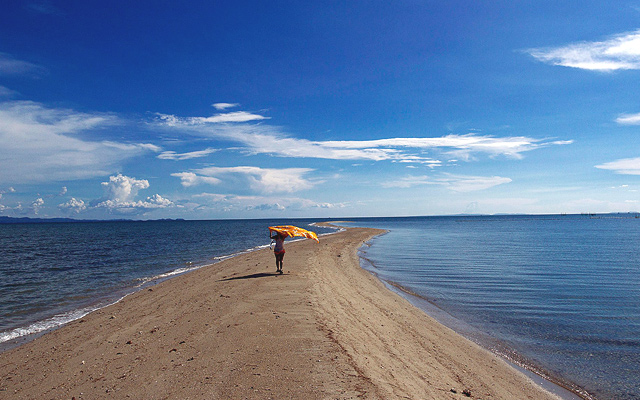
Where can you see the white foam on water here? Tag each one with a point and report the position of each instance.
(47, 324)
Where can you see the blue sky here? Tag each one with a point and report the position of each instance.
(259, 109)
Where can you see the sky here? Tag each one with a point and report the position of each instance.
(327, 109)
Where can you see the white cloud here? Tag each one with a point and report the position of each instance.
(330, 205)
(224, 106)
(120, 193)
(625, 166)
(40, 144)
(37, 204)
(191, 179)
(629, 119)
(264, 180)
(620, 52)
(265, 139)
(73, 205)
(235, 203)
(267, 207)
(236, 116)
(122, 188)
(12, 66)
(172, 155)
(456, 183)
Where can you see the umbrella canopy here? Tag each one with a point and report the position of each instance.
(290, 230)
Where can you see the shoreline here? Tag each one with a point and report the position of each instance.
(565, 389)
(326, 329)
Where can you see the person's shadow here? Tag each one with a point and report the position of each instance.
(252, 276)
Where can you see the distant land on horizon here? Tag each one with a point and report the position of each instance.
(29, 220)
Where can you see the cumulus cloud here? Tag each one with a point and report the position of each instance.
(456, 183)
(37, 204)
(265, 139)
(620, 52)
(73, 205)
(121, 191)
(122, 188)
(172, 155)
(41, 144)
(264, 180)
(625, 166)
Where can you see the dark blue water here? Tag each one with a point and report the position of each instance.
(562, 291)
(52, 273)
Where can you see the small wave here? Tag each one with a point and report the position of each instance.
(47, 324)
(177, 271)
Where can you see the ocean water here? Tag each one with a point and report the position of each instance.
(557, 294)
(52, 273)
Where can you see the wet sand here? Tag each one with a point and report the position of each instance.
(326, 329)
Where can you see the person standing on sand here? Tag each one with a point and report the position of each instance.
(278, 250)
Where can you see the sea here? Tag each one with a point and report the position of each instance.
(558, 295)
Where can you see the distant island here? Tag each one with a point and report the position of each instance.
(27, 220)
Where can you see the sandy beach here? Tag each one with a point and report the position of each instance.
(325, 329)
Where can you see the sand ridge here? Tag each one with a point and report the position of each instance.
(326, 329)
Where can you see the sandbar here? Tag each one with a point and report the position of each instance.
(325, 329)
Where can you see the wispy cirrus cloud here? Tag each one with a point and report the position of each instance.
(628, 119)
(12, 66)
(267, 139)
(41, 144)
(625, 166)
(44, 7)
(263, 180)
(620, 52)
(456, 183)
(232, 202)
(172, 155)
(236, 116)
(5, 92)
(224, 106)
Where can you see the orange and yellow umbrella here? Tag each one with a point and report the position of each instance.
(292, 231)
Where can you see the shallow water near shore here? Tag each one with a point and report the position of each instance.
(53, 273)
(558, 294)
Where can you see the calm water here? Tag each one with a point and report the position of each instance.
(562, 291)
(52, 273)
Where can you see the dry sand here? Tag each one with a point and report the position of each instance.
(326, 329)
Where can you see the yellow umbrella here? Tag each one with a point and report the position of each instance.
(290, 230)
